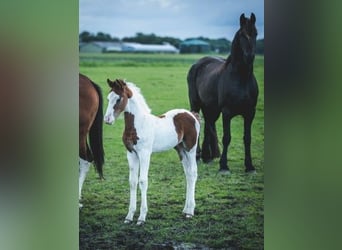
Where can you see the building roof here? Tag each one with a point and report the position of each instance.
(194, 42)
(166, 47)
(132, 47)
(101, 44)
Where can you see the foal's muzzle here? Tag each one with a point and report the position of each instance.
(109, 120)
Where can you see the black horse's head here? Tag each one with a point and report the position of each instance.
(245, 38)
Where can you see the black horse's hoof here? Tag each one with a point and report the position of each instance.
(207, 161)
(250, 171)
(224, 172)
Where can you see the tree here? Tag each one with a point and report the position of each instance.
(100, 36)
(86, 36)
(260, 46)
(152, 39)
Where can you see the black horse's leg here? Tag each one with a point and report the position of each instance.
(198, 149)
(225, 141)
(206, 151)
(210, 145)
(215, 150)
(248, 119)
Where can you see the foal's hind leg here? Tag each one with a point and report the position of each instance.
(190, 170)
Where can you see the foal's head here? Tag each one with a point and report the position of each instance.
(117, 99)
(245, 39)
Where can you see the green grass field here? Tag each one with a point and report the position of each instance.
(229, 211)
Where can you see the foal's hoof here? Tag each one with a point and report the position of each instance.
(128, 221)
(188, 216)
(140, 222)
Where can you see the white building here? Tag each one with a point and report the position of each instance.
(149, 48)
(107, 47)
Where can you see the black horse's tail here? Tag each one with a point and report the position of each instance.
(194, 99)
(96, 137)
(192, 89)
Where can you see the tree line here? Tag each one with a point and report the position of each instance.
(221, 45)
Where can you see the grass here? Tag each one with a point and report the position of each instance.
(229, 210)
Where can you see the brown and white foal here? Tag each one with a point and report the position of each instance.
(146, 133)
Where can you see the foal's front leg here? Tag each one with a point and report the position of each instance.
(133, 163)
(144, 159)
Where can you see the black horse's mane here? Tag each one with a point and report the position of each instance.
(248, 28)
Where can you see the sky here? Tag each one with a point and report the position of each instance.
(175, 18)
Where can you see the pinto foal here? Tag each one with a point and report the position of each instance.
(146, 133)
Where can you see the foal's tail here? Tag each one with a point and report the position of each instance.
(96, 137)
(197, 116)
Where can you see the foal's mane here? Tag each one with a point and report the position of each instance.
(138, 97)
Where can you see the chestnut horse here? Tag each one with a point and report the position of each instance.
(145, 133)
(90, 123)
(226, 86)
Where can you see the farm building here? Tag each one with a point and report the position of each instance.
(149, 48)
(107, 47)
(194, 46)
(99, 47)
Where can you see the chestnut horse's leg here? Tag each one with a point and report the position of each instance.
(133, 163)
(83, 160)
(84, 168)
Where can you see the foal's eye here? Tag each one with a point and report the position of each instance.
(117, 102)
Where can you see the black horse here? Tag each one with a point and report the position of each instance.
(226, 86)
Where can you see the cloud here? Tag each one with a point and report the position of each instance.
(177, 18)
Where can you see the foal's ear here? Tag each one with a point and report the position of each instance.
(110, 83)
(253, 19)
(128, 92)
(120, 82)
(242, 19)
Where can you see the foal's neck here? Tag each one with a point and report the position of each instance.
(137, 106)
